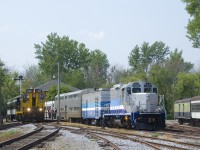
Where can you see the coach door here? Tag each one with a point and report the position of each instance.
(96, 107)
(34, 99)
(66, 113)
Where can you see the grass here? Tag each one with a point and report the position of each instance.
(8, 135)
(155, 135)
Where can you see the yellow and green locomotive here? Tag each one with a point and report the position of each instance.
(28, 106)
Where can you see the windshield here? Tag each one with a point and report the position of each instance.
(136, 90)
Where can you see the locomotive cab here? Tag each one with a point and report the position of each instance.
(135, 105)
(33, 105)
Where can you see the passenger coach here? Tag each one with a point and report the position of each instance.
(188, 111)
(182, 110)
(70, 105)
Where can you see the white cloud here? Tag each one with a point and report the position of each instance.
(42, 35)
(4, 28)
(93, 36)
(96, 35)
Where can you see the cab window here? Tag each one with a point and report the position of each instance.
(147, 90)
(41, 96)
(136, 90)
(154, 90)
(25, 98)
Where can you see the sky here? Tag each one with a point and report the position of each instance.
(113, 26)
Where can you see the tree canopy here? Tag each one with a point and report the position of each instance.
(69, 53)
(78, 65)
(144, 57)
(193, 27)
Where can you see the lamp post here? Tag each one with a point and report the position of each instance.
(20, 78)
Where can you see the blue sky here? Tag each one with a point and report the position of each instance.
(113, 26)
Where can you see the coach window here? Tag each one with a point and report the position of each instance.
(128, 89)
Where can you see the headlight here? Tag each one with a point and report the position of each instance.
(40, 109)
(28, 109)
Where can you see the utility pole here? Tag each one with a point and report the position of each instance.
(1, 108)
(58, 114)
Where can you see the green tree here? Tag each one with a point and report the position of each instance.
(165, 75)
(176, 63)
(76, 78)
(141, 59)
(53, 91)
(2, 78)
(134, 58)
(116, 74)
(69, 53)
(33, 77)
(163, 79)
(193, 27)
(187, 85)
(96, 72)
(10, 88)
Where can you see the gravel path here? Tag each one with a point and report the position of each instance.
(71, 141)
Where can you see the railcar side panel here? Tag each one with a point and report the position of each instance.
(94, 106)
(195, 109)
(182, 110)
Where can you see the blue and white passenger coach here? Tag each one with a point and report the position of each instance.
(94, 104)
(135, 105)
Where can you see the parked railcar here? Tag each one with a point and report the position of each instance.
(94, 104)
(50, 111)
(13, 105)
(188, 111)
(182, 110)
(70, 105)
(135, 105)
(195, 111)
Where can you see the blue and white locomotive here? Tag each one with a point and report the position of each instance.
(133, 105)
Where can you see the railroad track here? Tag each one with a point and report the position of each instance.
(10, 125)
(153, 142)
(160, 140)
(31, 139)
(103, 142)
(150, 142)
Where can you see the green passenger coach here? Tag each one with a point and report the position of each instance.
(182, 110)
